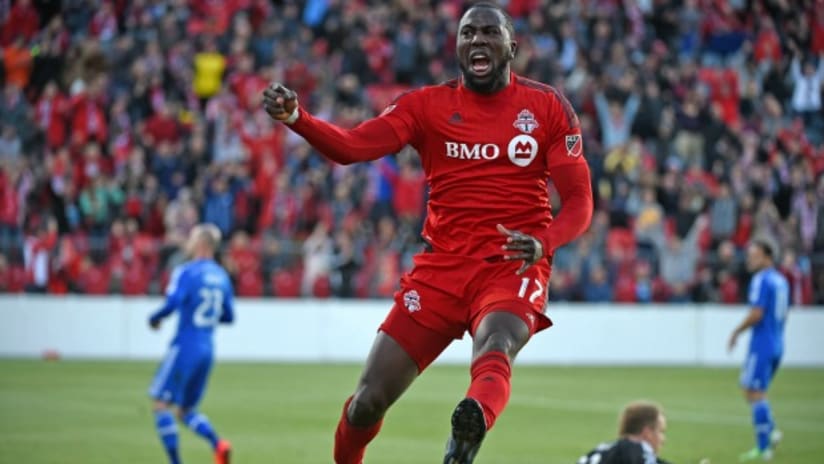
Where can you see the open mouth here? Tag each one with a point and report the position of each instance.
(480, 64)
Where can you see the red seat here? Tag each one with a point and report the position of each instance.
(620, 244)
(249, 283)
(729, 291)
(17, 279)
(322, 288)
(95, 281)
(136, 279)
(286, 284)
(624, 290)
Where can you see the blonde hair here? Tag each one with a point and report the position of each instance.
(209, 233)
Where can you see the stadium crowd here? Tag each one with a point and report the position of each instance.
(125, 123)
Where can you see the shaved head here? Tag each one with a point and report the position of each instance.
(485, 46)
(501, 11)
(204, 240)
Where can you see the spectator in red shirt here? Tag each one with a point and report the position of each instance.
(88, 119)
(23, 22)
(50, 113)
(246, 84)
(103, 25)
(767, 43)
(163, 126)
(38, 255)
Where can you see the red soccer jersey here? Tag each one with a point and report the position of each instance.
(487, 160)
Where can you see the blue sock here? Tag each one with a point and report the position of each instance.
(167, 430)
(200, 425)
(763, 423)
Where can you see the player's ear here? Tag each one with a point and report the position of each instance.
(513, 47)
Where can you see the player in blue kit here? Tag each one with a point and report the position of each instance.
(769, 299)
(201, 292)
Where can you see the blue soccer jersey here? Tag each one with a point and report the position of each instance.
(770, 292)
(201, 292)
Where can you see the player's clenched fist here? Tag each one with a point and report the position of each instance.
(281, 103)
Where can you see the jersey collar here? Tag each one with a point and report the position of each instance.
(506, 92)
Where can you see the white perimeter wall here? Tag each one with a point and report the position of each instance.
(342, 331)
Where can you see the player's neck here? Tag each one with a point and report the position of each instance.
(636, 438)
(496, 86)
(201, 256)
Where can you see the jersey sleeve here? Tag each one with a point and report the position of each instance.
(569, 171)
(174, 294)
(564, 142)
(227, 315)
(403, 113)
(374, 138)
(757, 294)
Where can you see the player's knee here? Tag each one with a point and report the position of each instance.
(182, 413)
(754, 395)
(504, 342)
(158, 405)
(367, 407)
(501, 331)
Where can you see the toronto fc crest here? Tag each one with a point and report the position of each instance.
(525, 122)
(412, 301)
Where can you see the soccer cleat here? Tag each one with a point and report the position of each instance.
(468, 431)
(222, 452)
(756, 454)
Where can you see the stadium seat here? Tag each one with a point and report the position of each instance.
(249, 283)
(17, 279)
(620, 244)
(136, 279)
(322, 288)
(286, 284)
(95, 280)
(624, 290)
(729, 291)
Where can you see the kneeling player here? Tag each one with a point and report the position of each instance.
(641, 431)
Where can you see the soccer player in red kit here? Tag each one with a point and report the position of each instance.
(489, 142)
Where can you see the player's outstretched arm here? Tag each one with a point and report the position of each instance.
(575, 189)
(370, 140)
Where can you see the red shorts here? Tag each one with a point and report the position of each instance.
(446, 295)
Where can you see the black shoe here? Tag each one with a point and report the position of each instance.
(468, 430)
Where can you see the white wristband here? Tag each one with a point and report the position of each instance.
(292, 117)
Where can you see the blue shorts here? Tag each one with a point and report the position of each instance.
(759, 370)
(182, 376)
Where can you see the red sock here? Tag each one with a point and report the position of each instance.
(490, 384)
(351, 441)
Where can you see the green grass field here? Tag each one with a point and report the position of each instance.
(97, 412)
